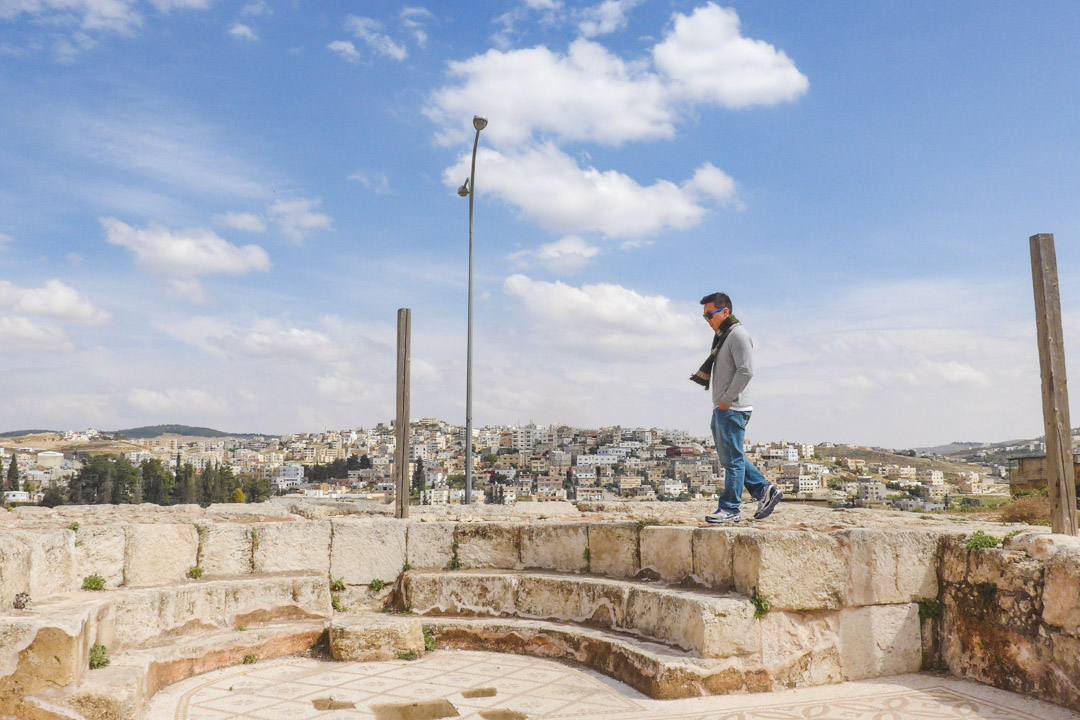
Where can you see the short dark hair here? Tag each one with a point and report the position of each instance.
(719, 299)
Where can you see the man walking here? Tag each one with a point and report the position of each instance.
(728, 368)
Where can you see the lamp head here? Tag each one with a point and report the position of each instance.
(479, 122)
(463, 191)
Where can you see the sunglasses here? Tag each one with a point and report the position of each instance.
(709, 313)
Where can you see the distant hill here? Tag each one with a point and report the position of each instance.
(153, 431)
(950, 449)
(20, 433)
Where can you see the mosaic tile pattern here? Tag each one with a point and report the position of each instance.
(285, 690)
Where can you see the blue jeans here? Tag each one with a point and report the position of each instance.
(729, 428)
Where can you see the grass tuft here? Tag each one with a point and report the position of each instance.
(93, 582)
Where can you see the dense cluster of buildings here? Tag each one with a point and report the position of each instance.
(538, 463)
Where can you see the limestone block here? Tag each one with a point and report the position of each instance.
(276, 599)
(381, 637)
(292, 546)
(14, 569)
(1009, 571)
(159, 554)
(116, 692)
(1061, 591)
(555, 546)
(880, 640)
(712, 627)
(488, 545)
(146, 614)
(460, 594)
(52, 562)
(1038, 544)
(889, 566)
(953, 566)
(48, 653)
(99, 550)
(668, 551)
(795, 570)
(362, 550)
(613, 549)
(225, 549)
(713, 552)
(590, 601)
(429, 545)
(246, 511)
(800, 649)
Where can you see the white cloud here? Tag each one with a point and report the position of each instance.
(605, 18)
(75, 258)
(586, 94)
(604, 318)
(415, 18)
(22, 333)
(590, 94)
(552, 189)
(296, 219)
(184, 255)
(54, 298)
(345, 49)
(276, 342)
(566, 255)
(368, 30)
(169, 5)
(243, 32)
(192, 401)
(707, 59)
(5, 240)
(111, 15)
(377, 182)
(712, 182)
(248, 222)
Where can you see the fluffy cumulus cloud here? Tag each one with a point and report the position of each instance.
(540, 99)
(55, 299)
(297, 218)
(345, 49)
(605, 18)
(603, 318)
(184, 255)
(23, 333)
(566, 255)
(707, 59)
(549, 186)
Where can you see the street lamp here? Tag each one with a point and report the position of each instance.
(468, 189)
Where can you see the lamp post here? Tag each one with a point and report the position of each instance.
(468, 188)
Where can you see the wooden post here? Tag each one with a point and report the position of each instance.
(401, 424)
(1055, 393)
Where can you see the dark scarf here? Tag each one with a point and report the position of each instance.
(704, 375)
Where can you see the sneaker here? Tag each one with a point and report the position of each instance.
(724, 516)
(769, 499)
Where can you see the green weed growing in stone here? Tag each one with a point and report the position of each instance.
(335, 602)
(429, 641)
(455, 561)
(337, 585)
(588, 560)
(73, 527)
(1014, 533)
(93, 582)
(195, 572)
(980, 540)
(929, 609)
(376, 585)
(99, 656)
(408, 655)
(250, 659)
(241, 628)
(761, 605)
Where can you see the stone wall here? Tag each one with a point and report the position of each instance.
(1010, 616)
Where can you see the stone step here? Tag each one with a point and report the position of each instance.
(121, 690)
(706, 623)
(659, 671)
(46, 647)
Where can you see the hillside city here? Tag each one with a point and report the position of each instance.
(512, 464)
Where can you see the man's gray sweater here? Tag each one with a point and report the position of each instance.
(733, 369)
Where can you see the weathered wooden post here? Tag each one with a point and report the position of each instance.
(1055, 393)
(401, 424)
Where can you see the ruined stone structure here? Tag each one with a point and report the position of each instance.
(809, 597)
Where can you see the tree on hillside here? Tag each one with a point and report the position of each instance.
(157, 482)
(126, 482)
(418, 477)
(256, 489)
(238, 496)
(365, 462)
(13, 473)
(352, 463)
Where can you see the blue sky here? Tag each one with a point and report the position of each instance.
(210, 211)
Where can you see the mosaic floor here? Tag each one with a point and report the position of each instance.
(490, 686)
